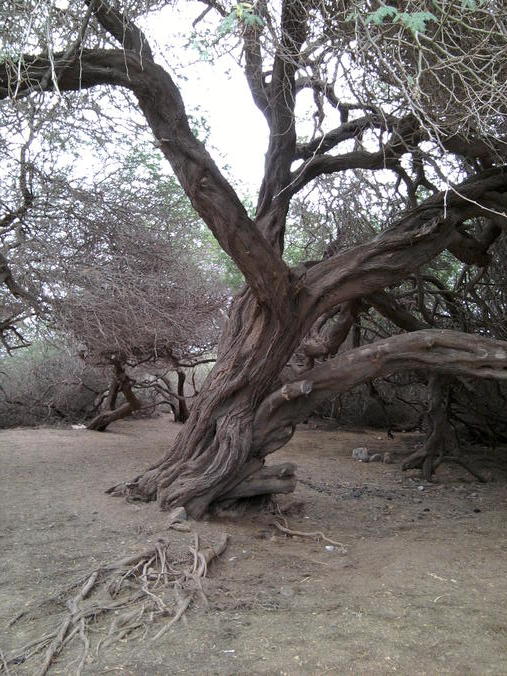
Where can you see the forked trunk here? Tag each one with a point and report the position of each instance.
(441, 444)
(120, 383)
(213, 453)
(182, 408)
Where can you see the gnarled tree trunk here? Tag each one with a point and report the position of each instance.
(214, 451)
(182, 410)
(120, 382)
(239, 419)
(441, 438)
(441, 444)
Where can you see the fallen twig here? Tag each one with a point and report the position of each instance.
(313, 534)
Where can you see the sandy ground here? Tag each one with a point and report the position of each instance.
(422, 587)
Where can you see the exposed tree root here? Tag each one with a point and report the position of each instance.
(313, 534)
(428, 464)
(441, 444)
(3, 663)
(147, 586)
(465, 465)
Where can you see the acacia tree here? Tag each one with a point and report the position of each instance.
(127, 305)
(19, 303)
(376, 77)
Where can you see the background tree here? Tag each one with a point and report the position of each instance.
(45, 383)
(374, 79)
(86, 264)
(142, 305)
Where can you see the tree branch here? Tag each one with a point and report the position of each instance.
(404, 247)
(440, 351)
(160, 101)
(404, 137)
(329, 338)
(344, 132)
(254, 71)
(7, 278)
(389, 308)
(273, 200)
(120, 27)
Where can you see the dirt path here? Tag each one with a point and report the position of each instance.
(421, 590)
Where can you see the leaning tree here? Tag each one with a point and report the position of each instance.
(413, 93)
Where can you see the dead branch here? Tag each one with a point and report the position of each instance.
(312, 534)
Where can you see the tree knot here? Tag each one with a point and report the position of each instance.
(295, 390)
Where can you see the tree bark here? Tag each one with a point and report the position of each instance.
(237, 422)
(441, 444)
(183, 412)
(242, 413)
(112, 395)
(213, 452)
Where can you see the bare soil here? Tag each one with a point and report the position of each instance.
(420, 590)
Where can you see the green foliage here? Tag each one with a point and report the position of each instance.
(242, 13)
(470, 4)
(218, 261)
(382, 13)
(447, 268)
(7, 55)
(416, 21)
(202, 46)
(200, 127)
(413, 21)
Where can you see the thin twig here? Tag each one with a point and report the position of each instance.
(312, 534)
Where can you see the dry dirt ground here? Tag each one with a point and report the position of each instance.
(420, 590)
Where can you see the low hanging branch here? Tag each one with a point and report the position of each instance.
(408, 244)
(441, 351)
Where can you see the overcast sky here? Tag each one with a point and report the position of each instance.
(238, 129)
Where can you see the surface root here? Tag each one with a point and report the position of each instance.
(145, 587)
(317, 534)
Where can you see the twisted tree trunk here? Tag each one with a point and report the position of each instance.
(214, 451)
(182, 408)
(119, 383)
(240, 418)
(441, 438)
(441, 444)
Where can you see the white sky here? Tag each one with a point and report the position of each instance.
(239, 133)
